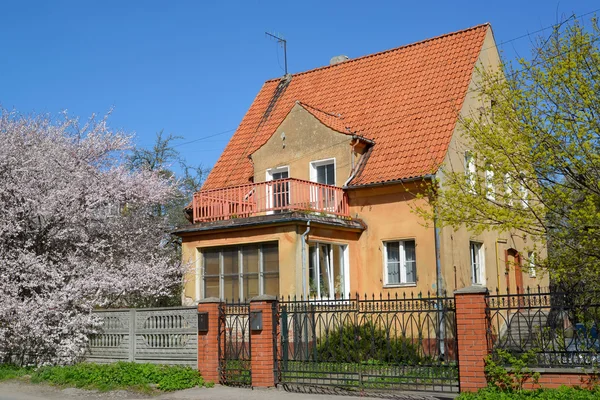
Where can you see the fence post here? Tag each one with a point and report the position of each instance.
(471, 330)
(208, 342)
(132, 335)
(262, 355)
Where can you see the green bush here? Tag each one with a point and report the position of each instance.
(563, 393)
(366, 344)
(121, 375)
(12, 371)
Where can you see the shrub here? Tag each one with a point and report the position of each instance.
(366, 343)
(563, 393)
(121, 375)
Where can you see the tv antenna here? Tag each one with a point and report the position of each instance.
(279, 38)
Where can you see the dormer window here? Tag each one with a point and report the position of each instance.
(323, 171)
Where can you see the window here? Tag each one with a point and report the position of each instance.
(508, 191)
(323, 171)
(278, 194)
(241, 272)
(327, 269)
(477, 263)
(400, 262)
(531, 262)
(490, 192)
(470, 171)
(524, 193)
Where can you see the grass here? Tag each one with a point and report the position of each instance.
(104, 377)
(563, 393)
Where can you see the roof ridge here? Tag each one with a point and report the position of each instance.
(486, 24)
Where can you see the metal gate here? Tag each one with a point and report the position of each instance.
(234, 344)
(368, 345)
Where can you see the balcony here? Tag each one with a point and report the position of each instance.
(270, 197)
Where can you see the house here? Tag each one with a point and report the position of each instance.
(313, 194)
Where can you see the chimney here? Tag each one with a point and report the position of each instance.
(338, 59)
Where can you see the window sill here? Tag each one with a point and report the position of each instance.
(399, 285)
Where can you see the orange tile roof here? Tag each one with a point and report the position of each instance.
(405, 99)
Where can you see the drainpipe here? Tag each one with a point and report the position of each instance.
(304, 292)
(439, 286)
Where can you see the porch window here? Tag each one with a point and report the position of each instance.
(400, 262)
(477, 263)
(241, 272)
(328, 273)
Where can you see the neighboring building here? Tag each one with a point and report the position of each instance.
(313, 194)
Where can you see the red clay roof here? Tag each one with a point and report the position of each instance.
(333, 121)
(405, 99)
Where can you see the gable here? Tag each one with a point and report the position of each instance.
(407, 100)
(300, 139)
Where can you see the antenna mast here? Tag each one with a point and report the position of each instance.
(281, 40)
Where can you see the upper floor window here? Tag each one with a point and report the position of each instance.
(531, 262)
(470, 170)
(240, 272)
(477, 263)
(400, 261)
(490, 191)
(323, 171)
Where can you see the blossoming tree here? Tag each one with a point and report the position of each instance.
(77, 231)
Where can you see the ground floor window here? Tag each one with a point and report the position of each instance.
(241, 272)
(328, 270)
(477, 263)
(400, 262)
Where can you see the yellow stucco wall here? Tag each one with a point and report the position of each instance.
(306, 140)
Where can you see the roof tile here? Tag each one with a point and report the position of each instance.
(405, 99)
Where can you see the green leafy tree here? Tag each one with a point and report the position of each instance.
(534, 150)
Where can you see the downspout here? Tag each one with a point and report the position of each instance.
(439, 285)
(304, 293)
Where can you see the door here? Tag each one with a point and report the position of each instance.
(278, 193)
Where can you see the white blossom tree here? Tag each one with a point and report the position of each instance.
(77, 231)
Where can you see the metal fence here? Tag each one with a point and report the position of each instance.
(553, 329)
(234, 344)
(153, 335)
(369, 344)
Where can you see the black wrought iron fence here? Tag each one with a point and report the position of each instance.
(234, 344)
(368, 343)
(554, 329)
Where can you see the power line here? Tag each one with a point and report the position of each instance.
(206, 137)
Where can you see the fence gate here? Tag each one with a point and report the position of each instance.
(368, 345)
(234, 344)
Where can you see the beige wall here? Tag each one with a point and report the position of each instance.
(306, 140)
(386, 210)
(455, 251)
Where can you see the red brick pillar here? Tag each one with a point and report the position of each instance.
(264, 362)
(208, 342)
(471, 329)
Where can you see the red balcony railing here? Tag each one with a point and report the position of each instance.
(269, 198)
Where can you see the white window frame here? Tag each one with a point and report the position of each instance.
(403, 282)
(470, 170)
(269, 188)
(477, 280)
(320, 163)
(200, 279)
(490, 191)
(345, 258)
(508, 190)
(531, 263)
(524, 193)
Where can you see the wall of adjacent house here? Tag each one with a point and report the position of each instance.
(455, 250)
(306, 140)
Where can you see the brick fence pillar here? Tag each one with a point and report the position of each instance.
(264, 362)
(208, 342)
(471, 329)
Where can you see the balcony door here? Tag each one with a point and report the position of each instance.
(278, 193)
(323, 172)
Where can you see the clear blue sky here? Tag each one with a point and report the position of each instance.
(193, 68)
